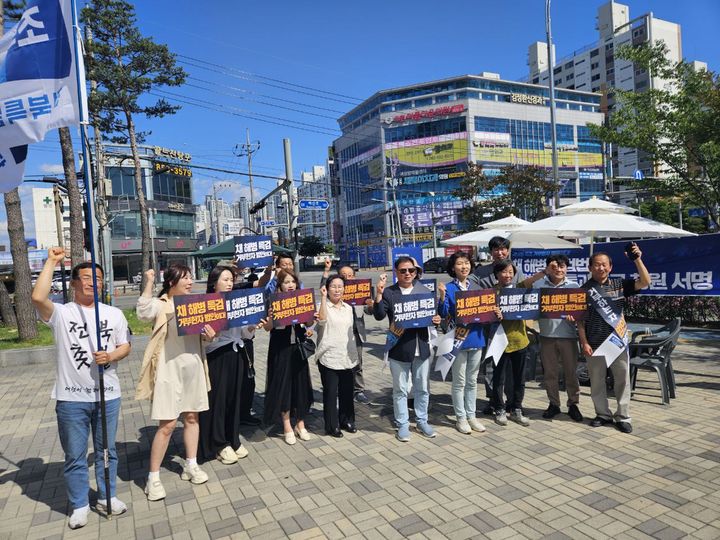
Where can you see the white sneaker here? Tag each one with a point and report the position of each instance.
(79, 517)
(241, 452)
(194, 473)
(302, 434)
(118, 507)
(463, 427)
(476, 425)
(518, 417)
(227, 456)
(154, 490)
(289, 438)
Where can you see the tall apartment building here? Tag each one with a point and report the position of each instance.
(595, 67)
(315, 185)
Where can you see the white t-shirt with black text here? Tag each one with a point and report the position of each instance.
(77, 372)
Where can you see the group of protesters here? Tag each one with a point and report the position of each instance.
(208, 380)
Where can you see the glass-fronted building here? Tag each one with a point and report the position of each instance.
(404, 151)
(167, 182)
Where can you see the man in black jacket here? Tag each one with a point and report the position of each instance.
(411, 355)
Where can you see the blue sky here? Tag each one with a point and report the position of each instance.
(289, 69)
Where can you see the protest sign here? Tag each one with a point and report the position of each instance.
(519, 304)
(430, 284)
(253, 251)
(476, 306)
(357, 291)
(677, 266)
(292, 307)
(559, 303)
(194, 311)
(414, 310)
(245, 307)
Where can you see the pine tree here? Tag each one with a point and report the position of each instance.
(126, 66)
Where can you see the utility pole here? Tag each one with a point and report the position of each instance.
(248, 149)
(551, 81)
(393, 172)
(60, 235)
(292, 211)
(432, 219)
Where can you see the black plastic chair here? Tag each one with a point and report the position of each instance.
(654, 352)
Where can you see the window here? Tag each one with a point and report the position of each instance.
(594, 65)
(536, 80)
(442, 99)
(122, 180)
(579, 62)
(569, 65)
(426, 129)
(594, 53)
(557, 70)
(172, 188)
(488, 97)
(558, 81)
(595, 77)
(570, 77)
(423, 102)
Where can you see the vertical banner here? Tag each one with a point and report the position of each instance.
(414, 310)
(245, 307)
(292, 307)
(194, 311)
(476, 306)
(253, 251)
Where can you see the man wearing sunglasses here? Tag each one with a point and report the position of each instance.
(410, 357)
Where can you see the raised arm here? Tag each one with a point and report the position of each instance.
(41, 291)
(379, 307)
(643, 279)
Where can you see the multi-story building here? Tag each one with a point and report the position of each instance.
(596, 67)
(167, 182)
(44, 213)
(405, 150)
(314, 186)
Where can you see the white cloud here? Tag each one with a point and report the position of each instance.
(52, 168)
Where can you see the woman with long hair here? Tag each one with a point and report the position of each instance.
(220, 424)
(337, 356)
(288, 390)
(173, 375)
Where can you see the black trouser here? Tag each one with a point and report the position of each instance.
(511, 371)
(337, 386)
(247, 391)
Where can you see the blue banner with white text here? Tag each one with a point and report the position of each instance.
(687, 266)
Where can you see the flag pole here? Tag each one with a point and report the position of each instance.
(89, 225)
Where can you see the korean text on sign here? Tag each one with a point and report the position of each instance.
(292, 307)
(519, 304)
(357, 291)
(559, 303)
(253, 251)
(477, 306)
(414, 310)
(245, 307)
(194, 311)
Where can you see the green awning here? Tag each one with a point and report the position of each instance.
(226, 250)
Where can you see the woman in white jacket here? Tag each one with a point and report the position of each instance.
(173, 375)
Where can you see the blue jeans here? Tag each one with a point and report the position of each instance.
(419, 369)
(75, 421)
(464, 382)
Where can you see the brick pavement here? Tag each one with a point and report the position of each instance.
(554, 479)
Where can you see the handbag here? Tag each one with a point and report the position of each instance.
(306, 348)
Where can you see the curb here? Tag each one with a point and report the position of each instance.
(46, 355)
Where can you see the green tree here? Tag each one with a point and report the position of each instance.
(126, 66)
(311, 246)
(10, 11)
(520, 190)
(677, 123)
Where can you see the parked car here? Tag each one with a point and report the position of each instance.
(436, 265)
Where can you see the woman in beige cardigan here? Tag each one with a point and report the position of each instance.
(173, 375)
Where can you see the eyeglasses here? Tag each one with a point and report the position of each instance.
(407, 270)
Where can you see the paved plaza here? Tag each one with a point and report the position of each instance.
(553, 479)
